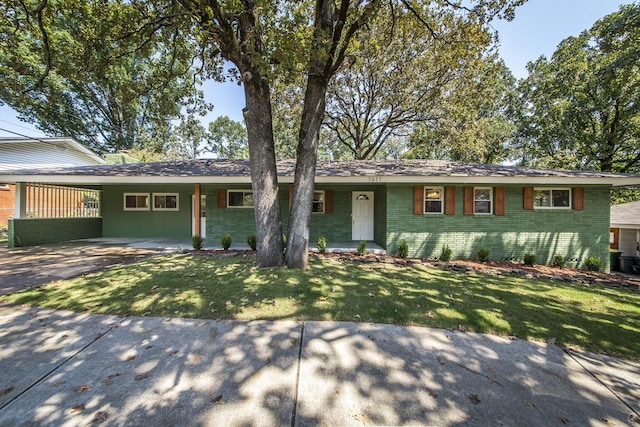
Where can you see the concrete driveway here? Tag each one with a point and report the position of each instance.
(22, 268)
(66, 369)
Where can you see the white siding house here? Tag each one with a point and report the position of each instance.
(26, 153)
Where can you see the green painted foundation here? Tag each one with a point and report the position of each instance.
(39, 231)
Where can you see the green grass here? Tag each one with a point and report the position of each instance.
(599, 319)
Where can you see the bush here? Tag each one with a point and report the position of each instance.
(483, 254)
(362, 248)
(321, 244)
(445, 255)
(197, 241)
(252, 241)
(284, 241)
(403, 249)
(558, 261)
(593, 263)
(225, 241)
(529, 259)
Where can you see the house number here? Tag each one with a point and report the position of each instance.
(375, 179)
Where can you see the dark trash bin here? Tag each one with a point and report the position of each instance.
(614, 260)
(627, 263)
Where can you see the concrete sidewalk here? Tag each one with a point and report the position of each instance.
(63, 368)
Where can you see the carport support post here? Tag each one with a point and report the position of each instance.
(196, 211)
(20, 200)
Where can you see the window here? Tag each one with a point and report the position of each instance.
(552, 198)
(4, 187)
(240, 198)
(318, 202)
(165, 201)
(482, 200)
(433, 200)
(136, 201)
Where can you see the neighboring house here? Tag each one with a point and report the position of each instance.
(430, 204)
(35, 153)
(625, 228)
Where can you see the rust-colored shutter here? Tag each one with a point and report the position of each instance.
(528, 198)
(418, 200)
(222, 198)
(328, 201)
(578, 198)
(449, 200)
(499, 208)
(290, 195)
(468, 200)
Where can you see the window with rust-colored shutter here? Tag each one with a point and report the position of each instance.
(418, 200)
(528, 198)
(449, 200)
(499, 208)
(468, 200)
(222, 198)
(578, 198)
(328, 201)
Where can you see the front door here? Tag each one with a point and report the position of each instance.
(362, 215)
(203, 214)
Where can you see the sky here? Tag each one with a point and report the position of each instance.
(538, 28)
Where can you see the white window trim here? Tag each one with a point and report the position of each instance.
(424, 200)
(238, 190)
(490, 200)
(4, 186)
(153, 202)
(324, 202)
(551, 198)
(124, 201)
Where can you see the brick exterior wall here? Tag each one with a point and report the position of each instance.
(7, 204)
(38, 231)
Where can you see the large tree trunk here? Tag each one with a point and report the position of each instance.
(297, 255)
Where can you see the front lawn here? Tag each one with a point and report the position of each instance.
(599, 319)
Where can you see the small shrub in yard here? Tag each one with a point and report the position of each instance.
(445, 255)
(252, 242)
(362, 248)
(225, 241)
(593, 263)
(558, 261)
(321, 244)
(403, 249)
(483, 254)
(529, 259)
(196, 241)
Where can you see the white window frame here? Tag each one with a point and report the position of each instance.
(491, 207)
(153, 200)
(551, 190)
(124, 201)
(244, 193)
(323, 201)
(441, 200)
(4, 186)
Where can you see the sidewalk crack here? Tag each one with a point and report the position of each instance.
(295, 397)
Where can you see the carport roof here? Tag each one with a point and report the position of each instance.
(238, 171)
(626, 215)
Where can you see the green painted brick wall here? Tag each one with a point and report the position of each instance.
(571, 233)
(159, 224)
(39, 231)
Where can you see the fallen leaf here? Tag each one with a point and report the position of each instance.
(432, 393)
(513, 337)
(474, 399)
(81, 388)
(100, 417)
(217, 399)
(551, 341)
(268, 362)
(140, 377)
(197, 357)
(441, 360)
(462, 328)
(563, 420)
(130, 358)
(371, 338)
(109, 379)
(58, 384)
(148, 347)
(6, 391)
(293, 341)
(78, 408)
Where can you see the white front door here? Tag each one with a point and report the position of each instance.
(362, 214)
(203, 213)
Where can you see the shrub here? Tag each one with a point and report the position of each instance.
(321, 243)
(252, 242)
(225, 241)
(196, 241)
(284, 241)
(403, 249)
(362, 247)
(483, 254)
(445, 255)
(593, 263)
(529, 259)
(558, 261)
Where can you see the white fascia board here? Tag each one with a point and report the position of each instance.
(620, 225)
(479, 180)
(101, 180)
